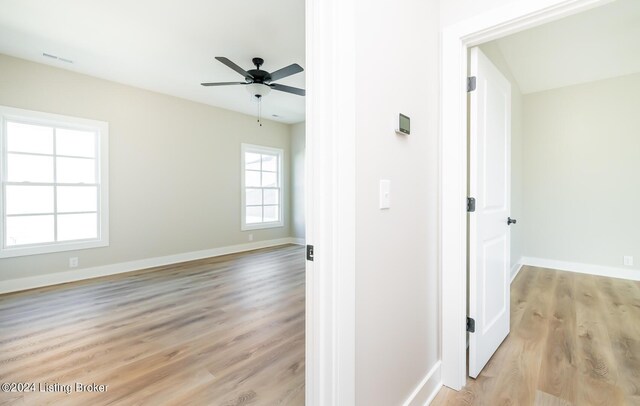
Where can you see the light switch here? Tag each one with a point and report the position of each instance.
(385, 193)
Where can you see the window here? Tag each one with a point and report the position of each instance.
(261, 187)
(53, 171)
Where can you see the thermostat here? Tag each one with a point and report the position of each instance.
(404, 125)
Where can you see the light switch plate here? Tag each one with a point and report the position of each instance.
(385, 193)
(628, 260)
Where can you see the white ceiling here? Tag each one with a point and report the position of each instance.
(597, 44)
(165, 46)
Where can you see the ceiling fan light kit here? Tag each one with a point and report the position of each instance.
(258, 90)
(260, 82)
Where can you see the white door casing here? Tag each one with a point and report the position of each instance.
(330, 202)
(489, 184)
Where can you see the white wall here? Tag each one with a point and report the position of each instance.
(397, 285)
(297, 180)
(582, 172)
(453, 11)
(174, 166)
(492, 51)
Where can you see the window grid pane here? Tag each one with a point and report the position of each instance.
(29, 138)
(271, 196)
(76, 199)
(253, 214)
(29, 168)
(77, 227)
(75, 143)
(36, 166)
(271, 213)
(26, 230)
(21, 199)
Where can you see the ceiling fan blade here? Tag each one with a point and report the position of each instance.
(288, 89)
(235, 67)
(223, 83)
(286, 71)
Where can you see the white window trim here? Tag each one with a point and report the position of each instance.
(259, 149)
(102, 157)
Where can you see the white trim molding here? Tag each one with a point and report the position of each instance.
(515, 269)
(427, 389)
(456, 39)
(330, 202)
(599, 270)
(298, 241)
(31, 282)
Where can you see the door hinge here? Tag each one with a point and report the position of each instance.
(471, 204)
(471, 325)
(471, 83)
(309, 252)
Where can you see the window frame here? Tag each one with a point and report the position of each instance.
(101, 129)
(259, 149)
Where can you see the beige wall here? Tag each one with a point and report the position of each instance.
(397, 283)
(517, 164)
(297, 180)
(174, 166)
(582, 172)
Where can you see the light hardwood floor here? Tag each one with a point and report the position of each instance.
(575, 340)
(221, 331)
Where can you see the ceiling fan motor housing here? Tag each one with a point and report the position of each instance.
(259, 76)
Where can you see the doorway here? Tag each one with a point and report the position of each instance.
(457, 39)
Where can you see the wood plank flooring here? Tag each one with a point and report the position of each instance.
(220, 331)
(575, 340)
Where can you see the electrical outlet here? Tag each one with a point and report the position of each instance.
(73, 262)
(250, 237)
(628, 260)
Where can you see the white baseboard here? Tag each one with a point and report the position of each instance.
(427, 389)
(298, 241)
(14, 285)
(599, 270)
(515, 269)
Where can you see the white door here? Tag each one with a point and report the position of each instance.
(489, 184)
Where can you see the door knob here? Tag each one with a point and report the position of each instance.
(511, 221)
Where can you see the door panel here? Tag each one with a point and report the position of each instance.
(494, 305)
(489, 183)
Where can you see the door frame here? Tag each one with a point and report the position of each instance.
(330, 202)
(456, 40)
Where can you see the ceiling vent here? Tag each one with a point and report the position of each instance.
(46, 55)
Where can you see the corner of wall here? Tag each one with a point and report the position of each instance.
(515, 269)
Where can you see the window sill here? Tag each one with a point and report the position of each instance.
(49, 249)
(259, 226)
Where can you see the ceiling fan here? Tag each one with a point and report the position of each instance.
(260, 82)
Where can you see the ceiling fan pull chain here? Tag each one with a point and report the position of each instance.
(259, 109)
